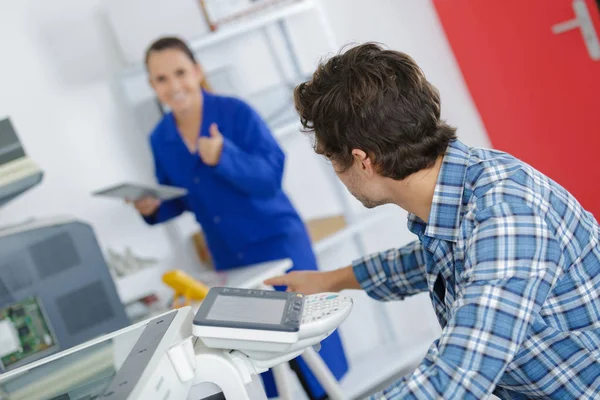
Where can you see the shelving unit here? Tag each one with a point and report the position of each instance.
(139, 284)
(350, 232)
(386, 361)
(232, 30)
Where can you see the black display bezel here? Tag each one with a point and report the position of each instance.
(290, 319)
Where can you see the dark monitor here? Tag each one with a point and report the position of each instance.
(55, 291)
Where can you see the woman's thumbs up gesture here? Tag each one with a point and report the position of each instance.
(210, 148)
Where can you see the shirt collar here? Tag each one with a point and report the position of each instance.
(171, 134)
(446, 208)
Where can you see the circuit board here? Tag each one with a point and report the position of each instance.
(32, 329)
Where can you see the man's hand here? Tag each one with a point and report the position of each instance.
(146, 206)
(210, 148)
(311, 282)
(306, 282)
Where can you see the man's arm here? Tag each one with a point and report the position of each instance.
(393, 274)
(385, 276)
(511, 264)
(311, 282)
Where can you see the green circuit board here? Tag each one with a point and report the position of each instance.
(33, 330)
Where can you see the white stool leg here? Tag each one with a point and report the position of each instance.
(281, 374)
(323, 374)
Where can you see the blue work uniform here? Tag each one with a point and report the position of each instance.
(244, 213)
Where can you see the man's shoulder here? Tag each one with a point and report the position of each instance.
(497, 176)
(502, 185)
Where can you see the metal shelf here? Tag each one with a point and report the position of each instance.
(253, 22)
(349, 232)
(240, 27)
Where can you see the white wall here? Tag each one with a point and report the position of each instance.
(56, 84)
(412, 26)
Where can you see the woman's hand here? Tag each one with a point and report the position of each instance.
(210, 148)
(147, 205)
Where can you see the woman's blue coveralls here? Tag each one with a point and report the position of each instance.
(244, 213)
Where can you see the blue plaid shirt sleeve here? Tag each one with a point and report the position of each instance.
(393, 274)
(510, 267)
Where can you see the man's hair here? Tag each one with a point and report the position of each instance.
(379, 101)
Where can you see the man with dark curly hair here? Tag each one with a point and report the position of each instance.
(510, 259)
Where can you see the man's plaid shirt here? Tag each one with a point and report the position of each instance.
(511, 262)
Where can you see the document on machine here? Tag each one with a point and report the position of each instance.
(136, 191)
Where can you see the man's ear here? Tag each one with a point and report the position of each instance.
(365, 162)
